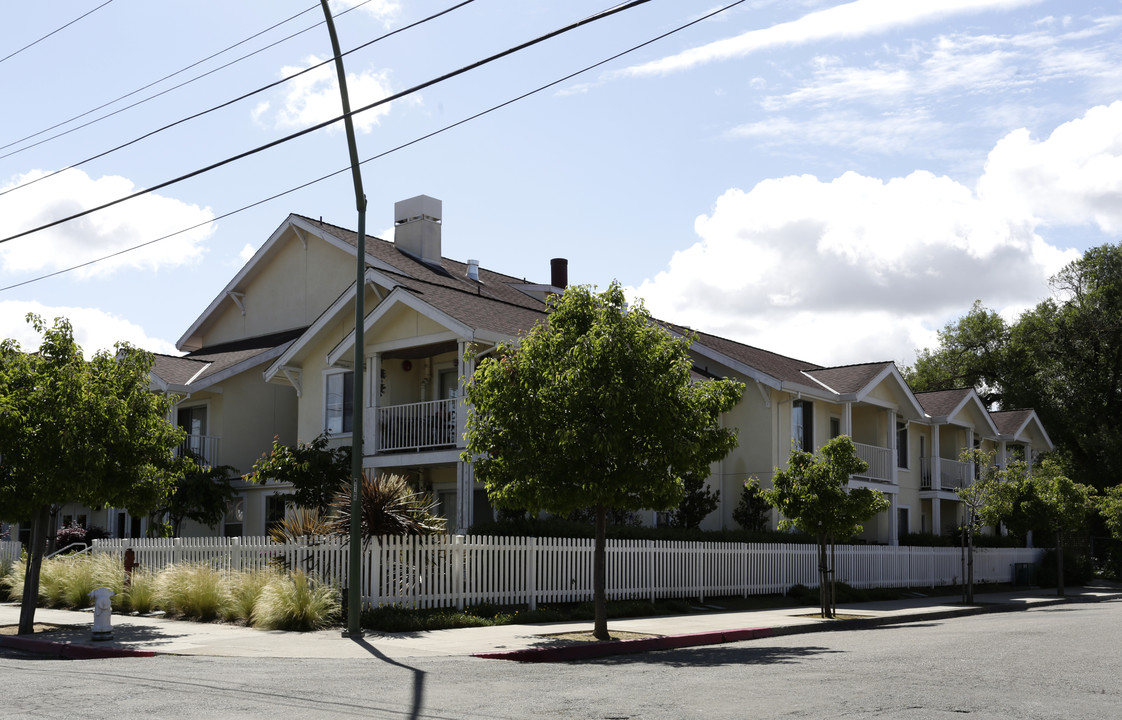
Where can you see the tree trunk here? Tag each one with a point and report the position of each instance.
(970, 563)
(39, 531)
(833, 576)
(600, 576)
(1060, 563)
(823, 578)
(962, 544)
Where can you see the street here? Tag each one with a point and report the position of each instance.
(1054, 662)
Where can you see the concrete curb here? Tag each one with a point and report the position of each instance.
(586, 651)
(70, 651)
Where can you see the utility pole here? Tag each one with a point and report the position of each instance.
(354, 570)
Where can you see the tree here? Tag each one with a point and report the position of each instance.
(697, 502)
(1062, 358)
(313, 469)
(595, 407)
(389, 506)
(1109, 505)
(814, 496)
(73, 430)
(986, 501)
(200, 493)
(751, 513)
(1046, 499)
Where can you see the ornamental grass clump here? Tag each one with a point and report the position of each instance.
(192, 590)
(140, 596)
(296, 602)
(11, 585)
(78, 576)
(245, 590)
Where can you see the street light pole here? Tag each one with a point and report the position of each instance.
(354, 574)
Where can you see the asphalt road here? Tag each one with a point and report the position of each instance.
(1057, 662)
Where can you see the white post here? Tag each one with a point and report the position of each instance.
(532, 572)
(373, 431)
(892, 463)
(465, 492)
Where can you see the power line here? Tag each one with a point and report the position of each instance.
(383, 154)
(228, 102)
(32, 44)
(396, 96)
(168, 77)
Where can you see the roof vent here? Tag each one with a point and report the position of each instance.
(473, 270)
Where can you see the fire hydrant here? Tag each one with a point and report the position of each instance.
(103, 611)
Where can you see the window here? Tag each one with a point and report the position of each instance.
(802, 425)
(835, 427)
(901, 444)
(235, 517)
(274, 511)
(340, 402)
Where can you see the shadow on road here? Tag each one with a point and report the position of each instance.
(418, 674)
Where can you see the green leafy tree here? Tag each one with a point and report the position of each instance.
(73, 430)
(1046, 499)
(1109, 505)
(200, 492)
(751, 512)
(1062, 358)
(698, 501)
(814, 496)
(988, 500)
(595, 407)
(313, 469)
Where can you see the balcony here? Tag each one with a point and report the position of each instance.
(952, 474)
(205, 447)
(417, 426)
(879, 459)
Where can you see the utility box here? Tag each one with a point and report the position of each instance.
(1024, 574)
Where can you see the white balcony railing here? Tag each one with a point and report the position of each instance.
(417, 426)
(202, 446)
(954, 474)
(879, 459)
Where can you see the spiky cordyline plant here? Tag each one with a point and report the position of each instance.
(301, 523)
(390, 506)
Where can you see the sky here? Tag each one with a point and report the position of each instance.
(830, 181)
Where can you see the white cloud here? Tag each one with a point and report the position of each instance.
(859, 269)
(114, 229)
(384, 11)
(93, 329)
(860, 18)
(889, 133)
(313, 98)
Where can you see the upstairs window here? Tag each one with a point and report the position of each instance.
(802, 425)
(339, 402)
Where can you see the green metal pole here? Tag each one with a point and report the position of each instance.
(354, 574)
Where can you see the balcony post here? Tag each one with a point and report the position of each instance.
(373, 435)
(467, 369)
(892, 463)
(970, 465)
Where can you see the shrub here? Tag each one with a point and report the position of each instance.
(752, 511)
(1078, 569)
(140, 596)
(192, 590)
(245, 590)
(296, 602)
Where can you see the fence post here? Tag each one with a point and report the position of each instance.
(176, 551)
(458, 570)
(532, 572)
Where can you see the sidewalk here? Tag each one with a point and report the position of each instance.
(148, 636)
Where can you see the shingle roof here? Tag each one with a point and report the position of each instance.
(1008, 422)
(453, 274)
(940, 403)
(777, 366)
(848, 378)
(479, 311)
(216, 358)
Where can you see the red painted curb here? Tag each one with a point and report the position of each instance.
(70, 651)
(586, 651)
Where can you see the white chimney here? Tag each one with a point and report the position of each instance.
(473, 270)
(417, 227)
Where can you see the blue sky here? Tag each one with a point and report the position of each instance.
(832, 181)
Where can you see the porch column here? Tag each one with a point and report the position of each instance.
(374, 401)
(1028, 454)
(847, 419)
(893, 518)
(467, 369)
(1002, 457)
(936, 483)
(465, 495)
(892, 462)
(970, 447)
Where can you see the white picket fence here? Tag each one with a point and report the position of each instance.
(454, 571)
(9, 552)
